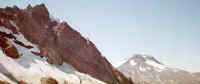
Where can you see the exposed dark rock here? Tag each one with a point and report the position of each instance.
(4, 82)
(8, 48)
(22, 44)
(57, 42)
(48, 80)
(22, 82)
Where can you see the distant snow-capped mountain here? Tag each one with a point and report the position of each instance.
(145, 68)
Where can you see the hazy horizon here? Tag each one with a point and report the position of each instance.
(168, 30)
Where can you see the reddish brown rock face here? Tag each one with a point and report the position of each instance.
(4, 82)
(8, 48)
(48, 80)
(22, 82)
(58, 42)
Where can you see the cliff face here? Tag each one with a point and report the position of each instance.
(58, 43)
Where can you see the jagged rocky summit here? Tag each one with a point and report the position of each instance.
(35, 48)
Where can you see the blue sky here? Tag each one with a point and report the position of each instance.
(167, 29)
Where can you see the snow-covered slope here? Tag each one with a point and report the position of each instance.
(145, 68)
(35, 45)
(32, 68)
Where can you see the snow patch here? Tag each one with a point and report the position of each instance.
(154, 64)
(132, 62)
(3, 78)
(88, 78)
(142, 69)
(52, 18)
(31, 68)
(21, 38)
(148, 68)
(3, 29)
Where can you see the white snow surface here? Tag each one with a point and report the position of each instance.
(31, 68)
(132, 62)
(3, 29)
(156, 65)
(142, 69)
(3, 78)
(52, 18)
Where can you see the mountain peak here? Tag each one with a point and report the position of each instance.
(143, 62)
(141, 58)
(146, 68)
(56, 42)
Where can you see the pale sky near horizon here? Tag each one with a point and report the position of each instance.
(167, 29)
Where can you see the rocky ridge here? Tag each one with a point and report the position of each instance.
(36, 46)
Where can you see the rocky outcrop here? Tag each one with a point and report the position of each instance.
(8, 48)
(48, 80)
(57, 41)
(3, 82)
